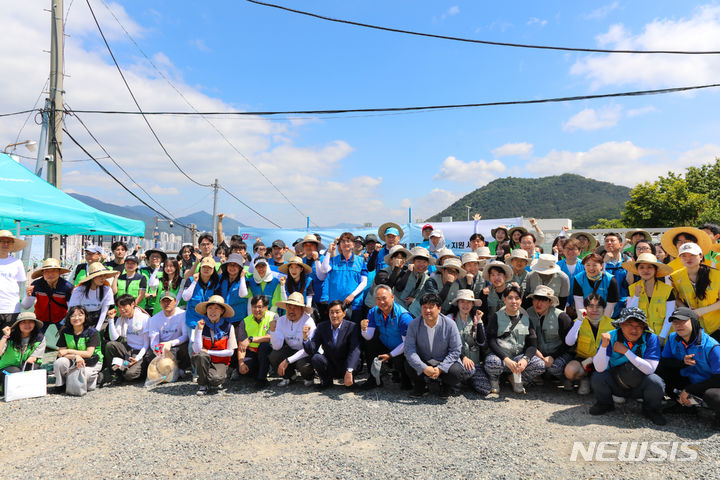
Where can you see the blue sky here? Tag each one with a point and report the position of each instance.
(238, 56)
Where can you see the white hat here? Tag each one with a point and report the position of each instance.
(394, 251)
(545, 292)
(445, 252)
(420, 252)
(520, 254)
(545, 264)
(484, 252)
(453, 262)
(466, 294)
(693, 248)
(470, 257)
(496, 264)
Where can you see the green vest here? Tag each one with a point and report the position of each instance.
(255, 329)
(549, 339)
(80, 276)
(80, 346)
(512, 343)
(131, 288)
(13, 357)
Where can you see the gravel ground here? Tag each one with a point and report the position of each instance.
(133, 432)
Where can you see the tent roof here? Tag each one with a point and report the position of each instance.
(43, 209)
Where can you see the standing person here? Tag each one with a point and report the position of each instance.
(154, 260)
(437, 242)
(200, 290)
(528, 242)
(12, 274)
(633, 236)
(587, 243)
(263, 282)
(286, 338)
(347, 274)
(570, 264)
(311, 257)
(585, 335)
(698, 286)
(119, 250)
(427, 229)
(276, 258)
(131, 281)
(420, 259)
(552, 326)
(214, 343)
(432, 350)
(49, 292)
(79, 346)
(391, 233)
(233, 287)
(476, 241)
(93, 253)
(519, 260)
(595, 280)
(186, 257)
(546, 272)
(690, 365)
(298, 279)
(513, 343)
(613, 265)
(169, 332)
(499, 275)
(500, 235)
(468, 319)
(22, 346)
(655, 298)
(514, 235)
(95, 295)
(339, 340)
(170, 282)
(625, 367)
(395, 274)
(372, 244)
(129, 341)
(473, 279)
(674, 238)
(253, 339)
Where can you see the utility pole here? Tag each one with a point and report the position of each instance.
(54, 174)
(213, 228)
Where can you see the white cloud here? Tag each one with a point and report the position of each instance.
(591, 119)
(636, 112)
(521, 149)
(535, 20)
(602, 12)
(699, 156)
(433, 202)
(200, 44)
(163, 190)
(478, 173)
(654, 71)
(454, 10)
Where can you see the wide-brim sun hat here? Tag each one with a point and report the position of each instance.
(518, 254)
(26, 316)
(295, 260)
(495, 230)
(394, 251)
(97, 269)
(445, 252)
(593, 241)
(156, 250)
(516, 229)
(420, 252)
(545, 265)
(18, 244)
(544, 291)
(453, 262)
(469, 257)
(161, 367)
(630, 233)
(466, 294)
(295, 299)
(311, 238)
(662, 269)
(49, 264)
(484, 252)
(385, 226)
(496, 264)
(703, 239)
(201, 308)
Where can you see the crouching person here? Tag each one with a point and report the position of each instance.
(130, 341)
(22, 346)
(78, 345)
(168, 332)
(625, 366)
(253, 341)
(552, 326)
(340, 342)
(432, 349)
(213, 343)
(286, 338)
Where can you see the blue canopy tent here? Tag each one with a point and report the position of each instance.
(42, 209)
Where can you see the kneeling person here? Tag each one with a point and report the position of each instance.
(129, 340)
(340, 341)
(213, 343)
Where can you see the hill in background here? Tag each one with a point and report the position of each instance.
(581, 199)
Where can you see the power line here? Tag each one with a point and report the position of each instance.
(224, 137)
(483, 42)
(120, 166)
(637, 93)
(248, 206)
(107, 45)
(22, 112)
(118, 181)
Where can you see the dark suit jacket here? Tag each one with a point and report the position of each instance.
(346, 353)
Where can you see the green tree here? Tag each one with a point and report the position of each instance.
(605, 224)
(667, 202)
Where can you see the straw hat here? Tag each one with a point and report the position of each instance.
(545, 292)
(629, 234)
(495, 230)
(445, 252)
(703, 239)
(385, 226)
(545, 264)
(27, 316)
(311, 238)
(496, 264)
(295, 260)
(593, 241)
(470, 257)
(484, 252)
(156, 250)
(663, 270)
(297, 299)
(97, 269)
(420, 252)
(49, 264)
(18, 244)
(201, 308)
(519, 254)
(394, 251)
(161, 367)
(453, 262)
(515, 229)
(465, 294)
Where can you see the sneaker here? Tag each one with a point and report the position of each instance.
(418, 393)
(655, 416)
(284, 382)
(518, 388)
(203, 390)
(601, 408)
(494, 386)
(309, 383)
(584, 388)
(568, 385)
(618, 400)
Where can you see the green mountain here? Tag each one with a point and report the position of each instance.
(581, 199)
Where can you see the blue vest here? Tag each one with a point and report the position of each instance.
(646, 347)
(705, 363)
(381, 258)
(269, 289)
(319, 286)
(579, 268)
(392, 330)
(345, 277)
(616, 270)
(602, 290)
(232, 298)
(200, 294)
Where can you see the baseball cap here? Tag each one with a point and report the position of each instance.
(683, 313)
(692, 248)
(278, 243)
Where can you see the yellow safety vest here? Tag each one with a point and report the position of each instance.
(685, 291)
(587, 343)
(655, 307)
(255, 329)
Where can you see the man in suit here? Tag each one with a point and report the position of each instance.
(340, 341)
(432, 349)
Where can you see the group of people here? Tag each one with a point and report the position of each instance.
(627, 318)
